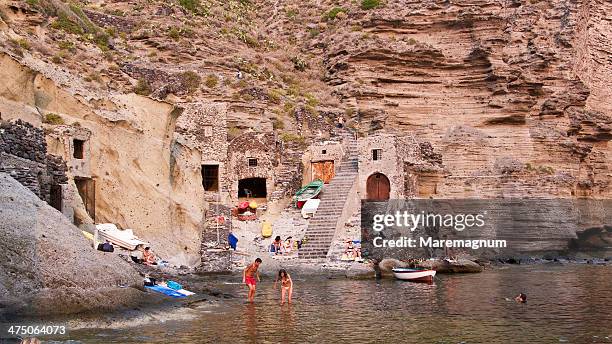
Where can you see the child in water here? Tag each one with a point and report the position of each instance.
(286, 285)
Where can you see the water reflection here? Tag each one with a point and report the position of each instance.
(569, 303)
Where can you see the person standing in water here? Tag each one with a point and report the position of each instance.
(248, 277)
(286, 285)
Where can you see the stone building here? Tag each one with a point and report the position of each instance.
(252, 158)
(72, 143)
(201, 134)
(23, 156)
(397, 166)
(321, 159)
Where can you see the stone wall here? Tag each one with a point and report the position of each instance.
(321, 151)
(23, 156)
(60, 142)
(261, 146)
(388, 164)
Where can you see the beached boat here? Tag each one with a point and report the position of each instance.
(124, 238)
(309, 191)
(416, 275)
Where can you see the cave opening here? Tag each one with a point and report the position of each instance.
(252, 188)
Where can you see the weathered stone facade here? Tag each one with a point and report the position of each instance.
(262, 147)
(62, 140)
(321, 152)
(23, 156)
(411, 166)
(201, 132)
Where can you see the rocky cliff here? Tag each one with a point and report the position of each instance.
(511, 98)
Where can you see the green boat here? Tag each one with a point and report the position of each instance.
(309, 191)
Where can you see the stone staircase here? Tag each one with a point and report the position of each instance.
(322, 227)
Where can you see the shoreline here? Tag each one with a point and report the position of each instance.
(152, 307)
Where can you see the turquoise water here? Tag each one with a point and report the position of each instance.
(566, 304)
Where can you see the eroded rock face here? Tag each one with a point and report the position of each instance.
(47, 266)
(497, 88)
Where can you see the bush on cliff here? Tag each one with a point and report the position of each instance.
(369, 4)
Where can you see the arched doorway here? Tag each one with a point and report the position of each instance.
(378, 187)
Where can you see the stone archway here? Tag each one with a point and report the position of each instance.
(378, 187)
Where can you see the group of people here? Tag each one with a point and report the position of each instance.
(279, 246)
(250, 277)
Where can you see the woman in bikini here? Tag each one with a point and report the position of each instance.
(286, 285)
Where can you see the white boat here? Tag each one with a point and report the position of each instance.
(310, 207)
(417, 275)
(124, 238)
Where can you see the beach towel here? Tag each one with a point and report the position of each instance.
(232, 240)
(166, 291)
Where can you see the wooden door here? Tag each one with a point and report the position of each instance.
(323, 170)
(378, 187)
(87, 191)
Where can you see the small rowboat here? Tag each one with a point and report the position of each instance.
(417, 275)
(309, 191)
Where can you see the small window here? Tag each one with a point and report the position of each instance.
(210, 177)
(208, 130)
(78, 148)
(376, 154)
(324, 151)
(252, 162)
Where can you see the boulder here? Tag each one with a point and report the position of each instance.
(445, 266)
(386, 265)
(360, 271)
(47, 266)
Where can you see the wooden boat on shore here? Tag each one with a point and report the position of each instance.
(309, 191)
(415, 275)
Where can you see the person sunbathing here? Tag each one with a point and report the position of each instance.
(350, 249)
(148, 257)
(276, 245)
(288, 245)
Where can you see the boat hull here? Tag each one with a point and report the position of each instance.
(414, 275)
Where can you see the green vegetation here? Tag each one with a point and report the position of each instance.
(93, 76)
(369, 4)
(64, 23)
(233, 132)
(275, 95)
(54, 119)
(190, 5)
(32, 2)
(67, 45)
(541, 169)
(278, 123)
(314, 32)
(191, 81)
(211, 81)
(21, 43)
(289, 108)
(57, 59)
(291, 13)
(311, 100)
(289, 137)
(174, 33)
(333, 13)
(299, 63)
(143, 88)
